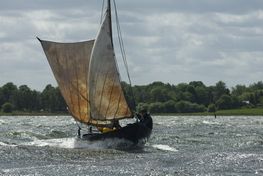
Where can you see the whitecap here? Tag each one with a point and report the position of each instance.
(2, 122)
(4, 144)
(164, 147)
(60, 142)
(210, 122)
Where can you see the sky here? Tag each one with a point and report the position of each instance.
(172, 41)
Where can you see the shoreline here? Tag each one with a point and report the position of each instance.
(230, 112)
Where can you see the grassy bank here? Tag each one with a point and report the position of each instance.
(248, 111)
(229, 112)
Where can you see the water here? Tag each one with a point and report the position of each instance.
(178, 146)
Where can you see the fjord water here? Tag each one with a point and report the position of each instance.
(180, 145)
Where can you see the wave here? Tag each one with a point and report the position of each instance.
(60, 142)
(210, 122)
(6, 144)
(164, 147)
(26, 135)
(2, 122)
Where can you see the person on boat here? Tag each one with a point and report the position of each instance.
(116, 124)
(145, 118)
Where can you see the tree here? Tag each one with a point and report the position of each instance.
(35, 100)
(202, 95)
(169, 106)
(197, 84)
(238, 90)
(211, 108)
(248, 97)
(142, 106)
(156, 107)
(158, 94)
(224, 102)
(48, 98)
(256, 86)
(24, 98)
(129, 94)
(2, 98)
(141, 94)
(8, 93)
(61, 105)
(7, 107)
(219, 89)
(185, 106)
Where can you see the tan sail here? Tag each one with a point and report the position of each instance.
(107, 101)
(70, 63)
(88, 78)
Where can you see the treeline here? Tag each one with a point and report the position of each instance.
(24, 99)
(194, 97)
(157, 97)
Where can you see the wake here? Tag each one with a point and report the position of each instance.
(76, 143)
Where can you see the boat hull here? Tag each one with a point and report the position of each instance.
(132, 132)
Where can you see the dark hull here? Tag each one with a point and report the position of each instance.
(132, 132)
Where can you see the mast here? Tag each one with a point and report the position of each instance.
(110, 21)
(106, 96)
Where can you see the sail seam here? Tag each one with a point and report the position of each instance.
(103, 88)
(117, 106)
(78, 92)
(95, 89)
(67, 78)
(87, 89)
(110, 95)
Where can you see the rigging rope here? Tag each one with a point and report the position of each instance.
(123, 51)
(79, 129)
(101, 15)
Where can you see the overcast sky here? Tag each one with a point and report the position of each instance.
(166, 40)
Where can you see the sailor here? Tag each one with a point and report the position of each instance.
(116, 124)
(145, 118)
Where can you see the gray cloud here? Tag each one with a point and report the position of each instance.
(168, 40)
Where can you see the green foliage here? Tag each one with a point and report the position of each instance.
(188, 107)
(8, 93)
(218, 90)
(224, 102)
(27, 100)
(241, 111)
(52, 100)
(169, 106)
(238, 90)
(211, 108)
(7, 107)
(157, 97)
(142, 106)
(156, 107)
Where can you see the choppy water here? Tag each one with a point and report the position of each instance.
(178, 146)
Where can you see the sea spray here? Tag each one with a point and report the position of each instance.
(164, 147)
(76, 143)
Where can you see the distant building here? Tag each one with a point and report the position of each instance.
(246, 102)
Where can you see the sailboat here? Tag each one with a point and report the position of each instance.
(88, 78)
